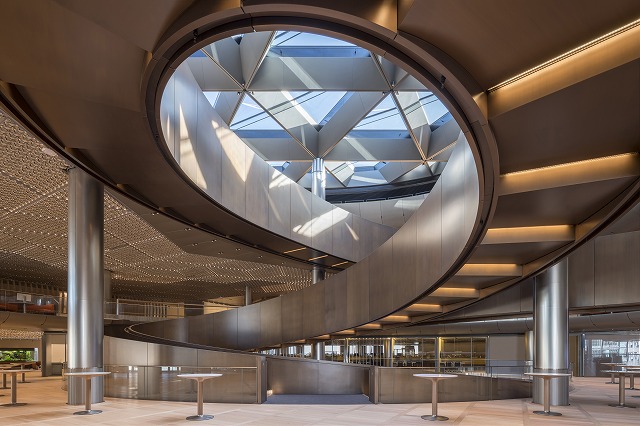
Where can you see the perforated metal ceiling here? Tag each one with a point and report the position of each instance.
(144, 263)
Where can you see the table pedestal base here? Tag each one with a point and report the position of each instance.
(622, 405)
(547, 413)
(87, 412)
(434, 418)
(13, 404)
(200, 417)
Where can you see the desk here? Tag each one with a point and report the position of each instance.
(547, 377)
(621, 380)
(435, 378)
(87, 375)
(612, 365)
(200, 378)
(14, 388)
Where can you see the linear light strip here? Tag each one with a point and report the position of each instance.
(566, 55)
(294, 250)
(574, 163)
(319, 257)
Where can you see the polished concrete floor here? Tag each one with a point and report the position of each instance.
(589, 406)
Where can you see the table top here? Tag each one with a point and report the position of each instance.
(624, 373)
(548, 374)
(16, 371)
(199, 375)
(88, 373)
(435, 376)
(612, 363)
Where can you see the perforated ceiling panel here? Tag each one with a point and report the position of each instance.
(144, 264)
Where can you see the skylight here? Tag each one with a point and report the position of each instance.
(314, 96)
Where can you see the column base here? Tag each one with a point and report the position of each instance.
(622, 405)
(434, 418)
(547, 413)
(200, 418)
(14, 404)
(87, 412)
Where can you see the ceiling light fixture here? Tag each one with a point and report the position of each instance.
(294, 250)
(566, 55)
(319, 257)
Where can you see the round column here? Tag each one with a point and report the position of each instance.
(318, 178)
(247, 296)
(551, 332)
(85, 319)
(318, 186)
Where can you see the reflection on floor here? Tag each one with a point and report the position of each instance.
(589, 406)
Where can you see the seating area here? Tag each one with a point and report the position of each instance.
(46, 404)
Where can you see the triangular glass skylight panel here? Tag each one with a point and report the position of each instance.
(225, 103)
(209, 74)
(226, 53)
(251, 116)
(343, 171)
(264, 135)
(316, 105)
(383, 117)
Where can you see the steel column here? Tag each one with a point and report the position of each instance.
(551, 328)
(85, 320)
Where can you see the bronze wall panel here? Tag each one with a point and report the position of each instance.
(336, 379)
(453, 207)
(225, 329)
(161, 355)
(256, 190)
(313, 302)
(249, 326)
(233, 175)
(208, 150)
(526, 295)
(200, 329)
(381, 281)
(271, 321)
(342, 234)
(358, 294)
(335, 302)
(124, 352)
(279, 204)
(429, 239)
(301, 214)
(167, 114)
(405, 263)
(582, 276)
(322, 234)
(617, 269)
(224, 359)
(471, 188)
(186, 114)
(292, 316)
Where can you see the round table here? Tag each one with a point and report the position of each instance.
(200, 378)
(14, 388)
(547, 377)
(621, 380)
(435, 378)
(87, 375)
